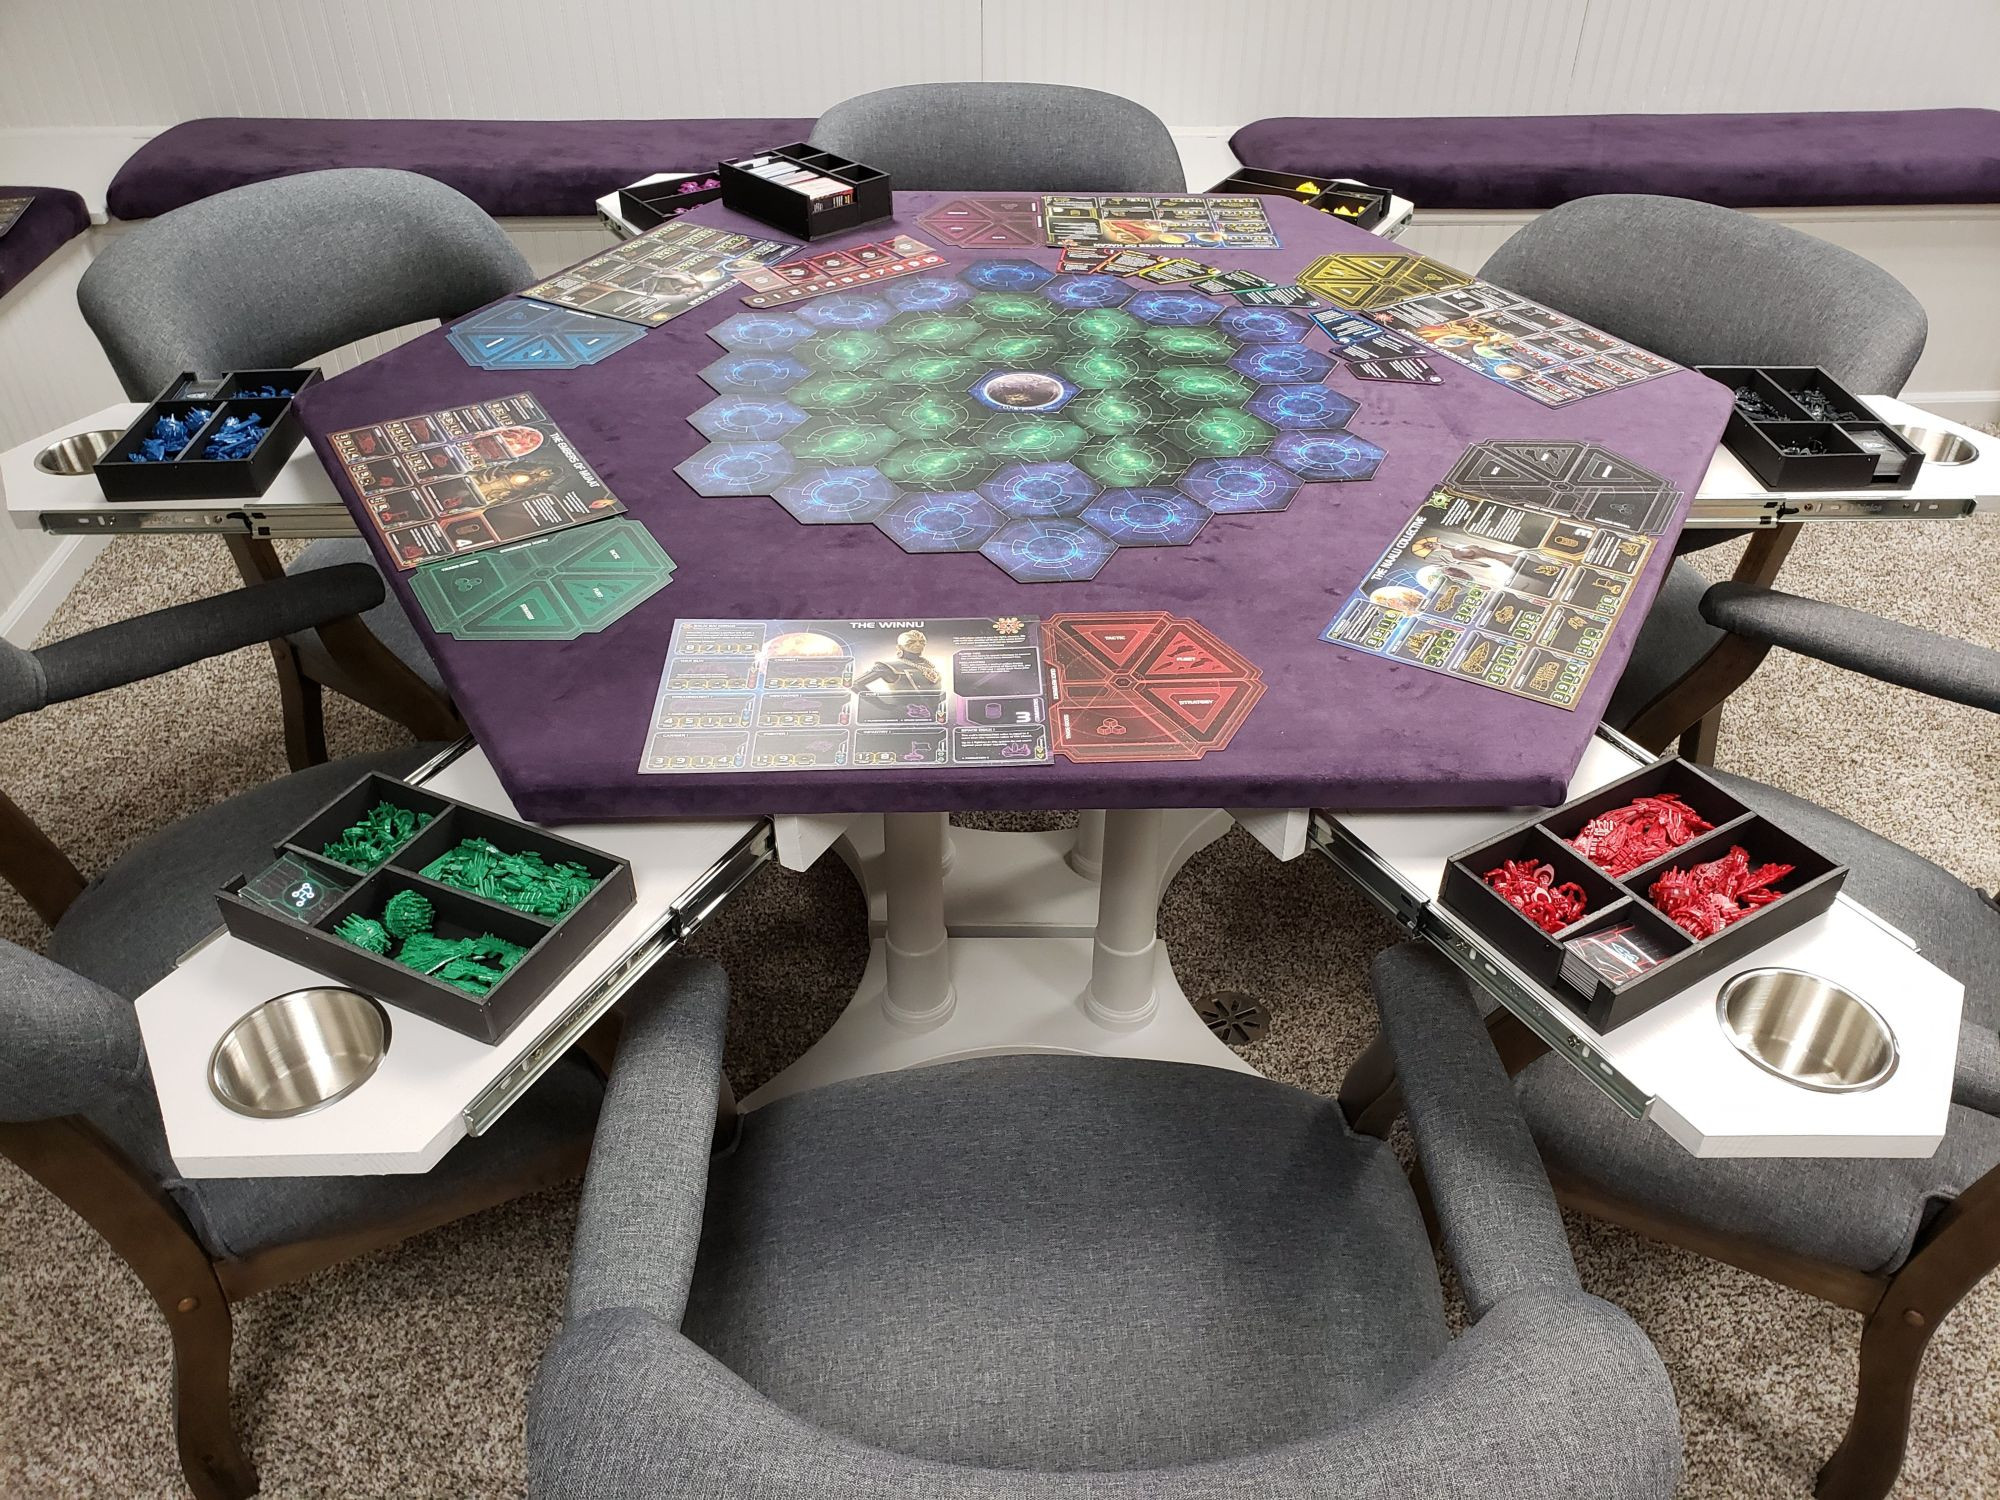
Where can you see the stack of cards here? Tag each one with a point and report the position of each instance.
(1618, 953)
(825, 192)
(1372, 352)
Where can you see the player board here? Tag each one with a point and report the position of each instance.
(554, 588)
(655, 277)
(518, 333)
(1515, 572)
(1044, 419)
(1218, 222)
(848, 269)
(833, 695)
(445, 483)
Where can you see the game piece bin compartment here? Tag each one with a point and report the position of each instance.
(554, 946)
(1793, 406)
(1344, 198)
(1610, 900)
(189, 476)
(792, 211)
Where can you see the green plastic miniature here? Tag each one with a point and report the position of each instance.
(364, 932)
(408, 913)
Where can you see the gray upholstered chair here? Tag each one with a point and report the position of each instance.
(77, 1110)
(1070, 1278)
(1005, 137)
(1899, 1241)
(273, 276)
(1710, 286)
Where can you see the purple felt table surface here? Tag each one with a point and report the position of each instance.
(564, 722)
(510, 168)
(56, 217)
(1779, 160)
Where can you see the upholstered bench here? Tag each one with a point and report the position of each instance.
(56, 217)
(514, 169)
(1740, 161)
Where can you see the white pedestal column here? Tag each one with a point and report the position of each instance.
(1124, 949)
(915, 947)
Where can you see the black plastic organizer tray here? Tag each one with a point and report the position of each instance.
(1346, 199)
(1807, 891)
(307, 936)
(1796, 428)
(189, 476)
(791, 210)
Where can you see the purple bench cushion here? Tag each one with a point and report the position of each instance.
(56, 217)
(1739, 161)
(510, 168)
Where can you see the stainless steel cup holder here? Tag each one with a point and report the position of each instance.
(1939, 446)
(1806, 1030)
(71, 457)
(298, 1053)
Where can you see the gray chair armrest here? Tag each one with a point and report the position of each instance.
(640, 1223)
(150, 644)
(1501, 1226)
(1887, 650)
(1976, 1080)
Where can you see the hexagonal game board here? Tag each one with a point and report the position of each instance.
(1044, 419)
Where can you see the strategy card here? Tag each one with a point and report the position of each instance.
(521, 334)
(1546, 355)
(844, 270)
(657, 276)
(505, 472)
(1518, 599)
(1144, 686)
(1234, 223)
(769, 695)
(11, 210)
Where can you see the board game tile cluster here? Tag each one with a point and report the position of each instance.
(1043, 419)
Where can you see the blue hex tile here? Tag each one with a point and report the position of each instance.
(1326, 456)
(842, 310)
(1281, 364)
(1079, 293)
(1174, 309)
(1146, 518)
(763, 374)
(1005, 275)
(1054, 550)
(737, 469)
(1040, 490)
(828, 497)
(1231, 485)
(736, 418)
(1266, 325)
(933, 293)
(762, 332)
(947, 521)
(1302, 408)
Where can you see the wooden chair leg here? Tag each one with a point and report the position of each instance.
(1698, 741)
(212, 1456)
(304, 710)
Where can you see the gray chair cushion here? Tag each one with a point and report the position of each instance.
(1005, 137)
(389, 621)
(235, 1216)
(1673, 638)
(1860, 1213)
(158, 899)
(1064, 1263)
(1711, 286)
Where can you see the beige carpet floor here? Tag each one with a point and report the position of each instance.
(403, 1375)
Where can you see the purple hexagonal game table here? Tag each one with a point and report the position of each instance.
(991, 439)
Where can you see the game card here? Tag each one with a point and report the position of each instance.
(1278, 296)
(829, 695)
(1506, 595)
(1219, 222)
(657, 276)
(509, 473)
(1409, 370)
(1546, 355)
(11, 210)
